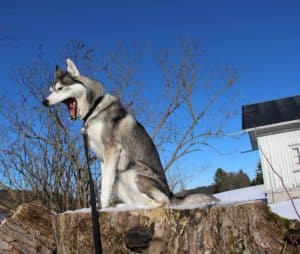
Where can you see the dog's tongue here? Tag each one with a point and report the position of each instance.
(71, 104)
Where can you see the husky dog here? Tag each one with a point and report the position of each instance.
(130, 163)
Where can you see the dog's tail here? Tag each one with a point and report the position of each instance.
(189, 197)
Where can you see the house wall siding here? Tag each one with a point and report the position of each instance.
(282, 149)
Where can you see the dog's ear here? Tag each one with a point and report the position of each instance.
(58, 72)
(72, 69)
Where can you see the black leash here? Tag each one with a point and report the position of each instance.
(91, 110)
(95, 222)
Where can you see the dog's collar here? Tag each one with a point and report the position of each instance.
(91, 110)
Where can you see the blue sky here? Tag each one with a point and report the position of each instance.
(260, 38)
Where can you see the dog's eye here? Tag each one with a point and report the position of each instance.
(58, 89)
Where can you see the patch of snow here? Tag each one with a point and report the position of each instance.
(111, 209)
(124, 207)
(285, 209)
(82, 210)
(256, 192)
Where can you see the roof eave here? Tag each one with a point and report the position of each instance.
(269, 126)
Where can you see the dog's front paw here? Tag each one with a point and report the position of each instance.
(104, 203)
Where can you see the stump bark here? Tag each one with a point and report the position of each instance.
(239, 228)
(236, 228)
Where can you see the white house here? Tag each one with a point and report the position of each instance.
(274, 129)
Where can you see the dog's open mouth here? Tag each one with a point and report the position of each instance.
(72, 107)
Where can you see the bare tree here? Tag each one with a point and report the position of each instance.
(182, 80)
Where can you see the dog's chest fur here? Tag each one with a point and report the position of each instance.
(95, 133)
(97, 125)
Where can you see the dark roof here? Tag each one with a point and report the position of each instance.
(271, 112)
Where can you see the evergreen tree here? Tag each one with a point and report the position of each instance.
(219, 180)
(259, 176)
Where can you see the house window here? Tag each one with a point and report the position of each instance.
(296, 158)
(296, 151)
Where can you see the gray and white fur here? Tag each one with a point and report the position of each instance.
(130, 163)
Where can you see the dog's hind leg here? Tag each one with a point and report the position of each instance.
(153, 191)
(131, 189)
(152, 185)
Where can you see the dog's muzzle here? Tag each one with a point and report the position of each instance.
(46, 103)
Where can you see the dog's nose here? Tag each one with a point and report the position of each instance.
(46, 103)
